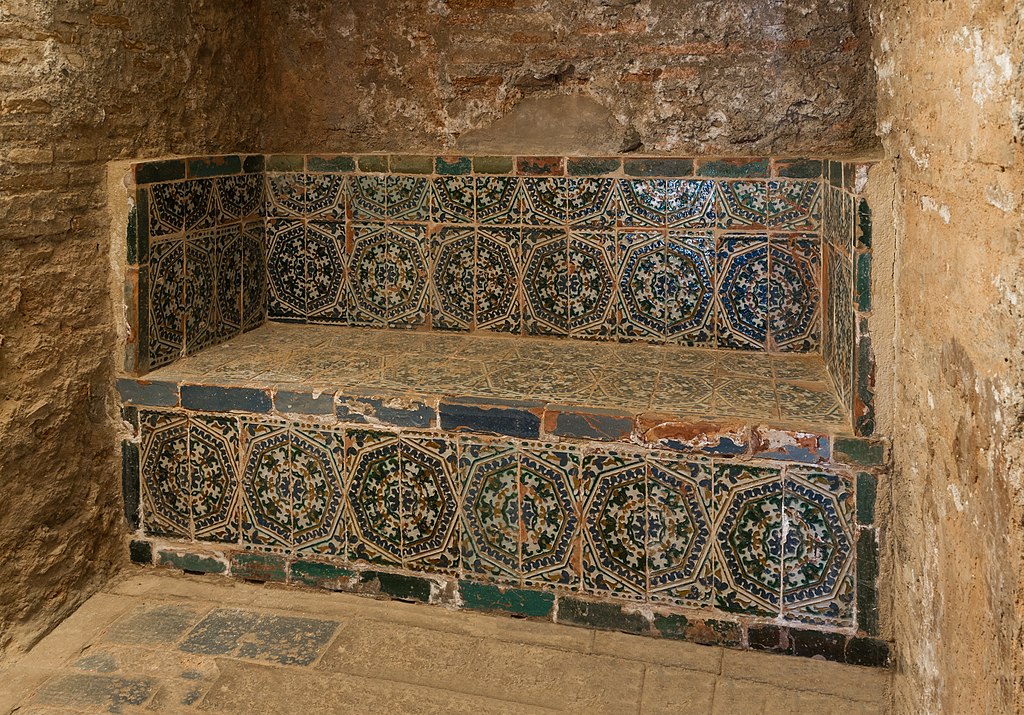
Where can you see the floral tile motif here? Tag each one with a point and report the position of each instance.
(266, 487)
(497, 280)
(742, 204)
(748, 539)
(317, 464)
(690, 203)
(564, 382)
(498, 199)
(368, 198)
(817, 557)
(688, 288)
(679, 542)
(239, 197)
(546, 254)
(454, 199)
(615, 518)
(839, 324)
(794, 294)
(736, 363)
(641, 202)
(813, 403)
(200, 291)
(630, 386)
(430, 506)
(375, 496)
(683, 393)
(326, 196)
(745, 397)
(228, 268)
(591, 203)
(286, 269)
(491, 508)
(213, 448)
(254, 275)
(166, 490)
(407, 198)
(453, 278)
(544, 201)
(641, 258)
(800, 368)
(590, 284)
(388, 275)
(181, 206)
(166, 312)
(794, 205)
(286, 195)
(549, 480)
(743, 291)
(326, 295)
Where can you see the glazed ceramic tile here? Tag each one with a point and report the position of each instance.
(549, 482)
(373, 461)
(748, 539)
(229, 264)
(266, 487)
(326, 291)
(815, 403)
(454, 199)
(683, 393)
(497, 283)
(239, 197)
(213, 452)
(166, 304)
(615, 515)
(285, 195)
(317, 463)
(326, 196)
(742, 204)
(200, 291)
(745, 397)
(679, 531)
(591, 203)
(743, 291)
(544, 201)
(453, 277)
(794, 205)
(794, 299)
(166, 488)
(641, 260)
(286, 269)
(430, 505)
(642, 203)
(690, 203)
(688, 288)
(498, 200)
(800, 368)
(590, 284)
(408, 198)
(388, 275)
(491, 509)
(546, 275)
(818, 551)
(367, 198)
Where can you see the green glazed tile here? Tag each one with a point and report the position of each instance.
(658, 167)
(522, 602)
(863, 224)
(606, 616)
(214, 166)
(859, 450)
(593, 166)
(867, 582)
(492, 164)
(799, 168)
(151, 172)
(866, 496)
(316, 573)
(733, 168)
(373, 163)
(254, 164)
(453, 165)
(258, 567)
(704, 632)
(398, 586)
(862, 281)
(330, 164)
(192, 562)
(412, 164)
(285, 162)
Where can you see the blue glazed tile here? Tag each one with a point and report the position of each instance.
(818, 552)
(166, 304)
(453, 278)
(266, 486)
(545, 281)
(550, 522)
(690, 203)
(641, 202)
(388, 275)
(499, 200)
(489, 419)
(640, 256)
(591, 203)
(227, 269)
(615, 518)
(239, 197)
(373, 462)
(407, 198)
(794, 293)
(491, 506)
(590, 284)
(743, 291)
(166, 491)
(497, 280)
(544, 201)
(200, 291)
(286, 269)
(213, 447)
(225, 399)
(742, 204)
(688, 287)
(454, 199)
(254, 275)
(144, 392)
(326, 294)
(794, 205)
(748, 539)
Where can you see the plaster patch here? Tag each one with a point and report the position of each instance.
(932, 206)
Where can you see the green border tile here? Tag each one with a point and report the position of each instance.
(756, 167)
(330, 163)
(592, 166)
(492, 164)
(152, 172)
(657, 167)
(285, 162)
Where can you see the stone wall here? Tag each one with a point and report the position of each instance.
(85, 82)
(950, 103)
(704, 77)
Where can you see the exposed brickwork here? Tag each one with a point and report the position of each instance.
(85, 81)
(702, 77)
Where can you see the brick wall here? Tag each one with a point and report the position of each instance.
(85, 81)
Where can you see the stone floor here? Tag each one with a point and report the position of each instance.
(720, 384)
(158, 642)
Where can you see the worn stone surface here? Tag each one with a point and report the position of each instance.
(951, 117)
(86, 82)
(699, 77)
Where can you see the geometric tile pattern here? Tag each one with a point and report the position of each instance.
(762, 539)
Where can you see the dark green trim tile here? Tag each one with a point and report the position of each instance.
(131, 235)
(864, 383)
(835, 174)
(453, 165)
(799, 168)
(141, 241)
(867, 582)
(254, 164)
(492, 164)
(867, 494)
(861, 451)
(862, 281)
(398, 586)
(522, 602)
(585, 423)
(140, 552)
(285, 162)
(206, 166)
(225, 399)
(373, 163)
(819, 644)
(150, 394)
(658, 167)
(540, 166)
(130, 483)
(869, 652)
(196, 563)
(152, 172)
(491, 419)
(863, 224)
(304, 403)
(769, 638)
(330, 164)
(733, 168)
(593, 166)
(403, 164)
(259, 567)
(321, 575)
(606, 616)
(703, 632)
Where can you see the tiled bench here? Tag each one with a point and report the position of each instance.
(683, 488)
